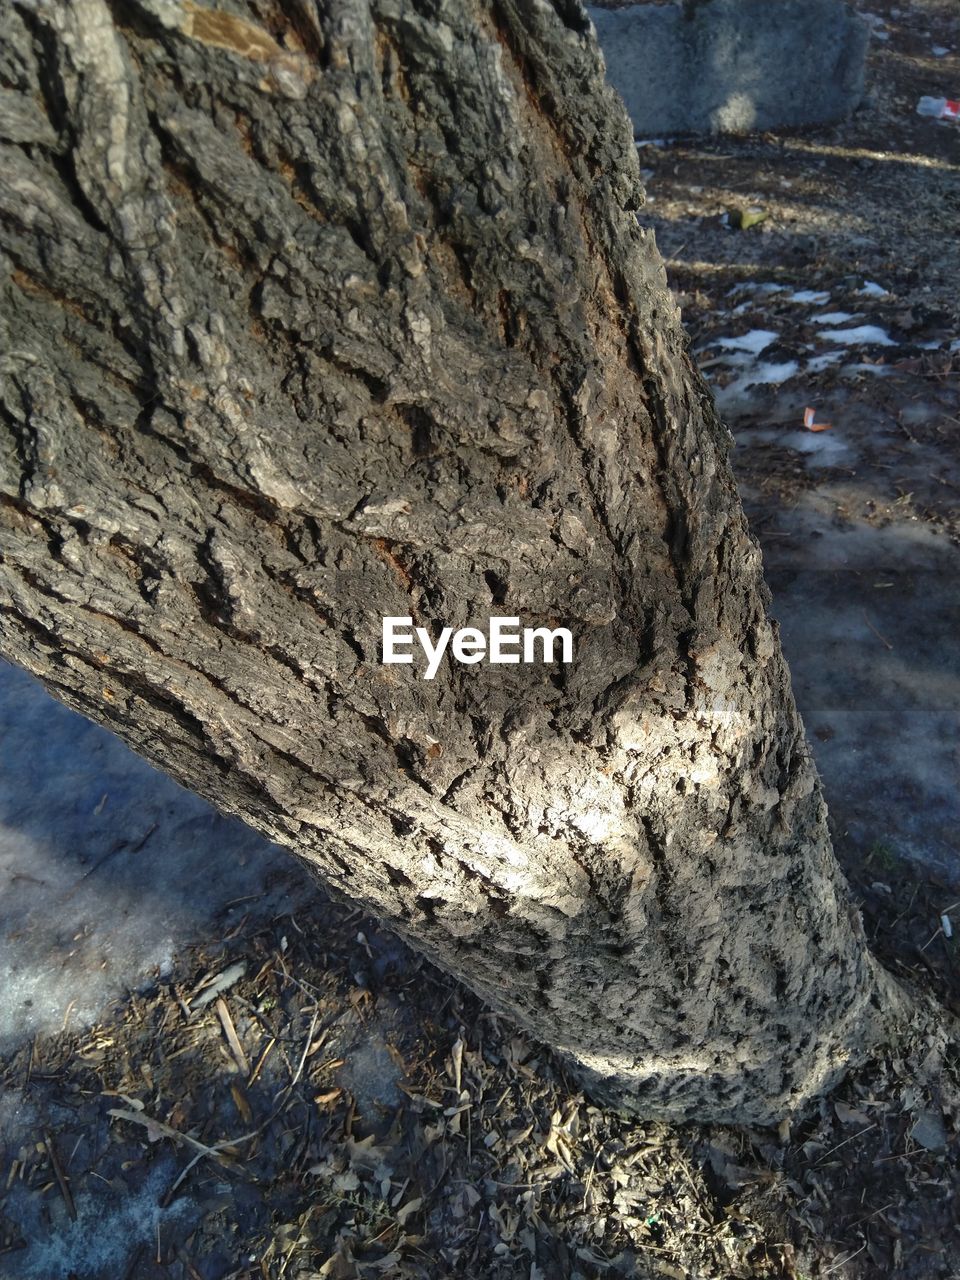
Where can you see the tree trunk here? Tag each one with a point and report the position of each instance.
(324, 313)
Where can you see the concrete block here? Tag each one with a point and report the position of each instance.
(733, 66)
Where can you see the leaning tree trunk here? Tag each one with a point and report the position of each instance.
(319, 313)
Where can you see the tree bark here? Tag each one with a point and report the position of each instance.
(319, 313)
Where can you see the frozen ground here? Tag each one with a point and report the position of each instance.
(107, 868)
(869, 621)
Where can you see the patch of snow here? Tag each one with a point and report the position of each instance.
(833, 317)
(735, 392)
(824, 445)
(107, 868)
(864, 333)
(731, 360)
(813, 296)
(819, 363)
(955, 345)
(105, 1233)
(919, 412)
(771, 374)
(939, 51)
(751, 286)
(755, 341)
(877, 25)
(873, 290)
(878, 370)
(17, 1117)
(889, 761)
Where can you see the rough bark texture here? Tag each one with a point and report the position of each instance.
(318, 312)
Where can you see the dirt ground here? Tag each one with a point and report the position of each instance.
(301, 1096)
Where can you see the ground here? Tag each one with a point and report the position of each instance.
(209, 1071)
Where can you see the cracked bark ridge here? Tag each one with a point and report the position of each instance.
(313, 314)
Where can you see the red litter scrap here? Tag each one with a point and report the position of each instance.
(939, 108)
(810, 422)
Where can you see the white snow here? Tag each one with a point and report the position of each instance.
(819, 363)
(755, 341)
(939, 51)
(758, 375)
(864, 333)
(873, 290)
(107, 868)
(771, 374)
(826, 446)
(877, 370)
(751, 286)
(809, 295)
(107, 1229)
(732, 360)
(833, 317)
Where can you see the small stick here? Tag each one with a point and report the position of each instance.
(290, 1251)
(259, 1067)
(306, 1050)
(230, 1031)
(158, 1128)
(59, 1174)
(169, 1194)
(852, 1138)
(194, 1273)
(883, 640)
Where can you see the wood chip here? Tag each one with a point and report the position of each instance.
(230, 1031)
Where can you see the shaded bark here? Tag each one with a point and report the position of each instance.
(314, 314)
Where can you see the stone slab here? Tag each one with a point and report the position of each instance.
(734, 66)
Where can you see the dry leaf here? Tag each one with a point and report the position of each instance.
(241, 1103)
(850, 1115)
(409, 1208)
(456, 1063)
